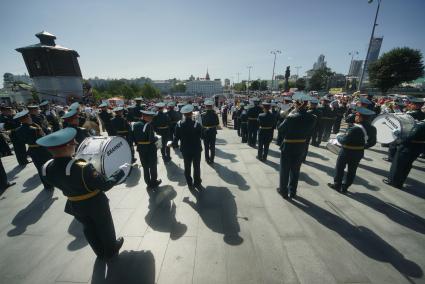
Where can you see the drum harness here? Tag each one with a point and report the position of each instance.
(366, 138)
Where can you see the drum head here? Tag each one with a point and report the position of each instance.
(115, 153)
(385, 125)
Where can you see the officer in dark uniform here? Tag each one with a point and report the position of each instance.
(296, 129)
(121, 127)
(50, 116)
(415, 109)
(38, 118)
(71, 119)
(138, 109)
(189, 132)
(84, 187)
(174, 117)
(340, 111)
(82, 116)
(28, 133)
(408, 150)
(314, 110)
(243, 123)
(253, 114)
(130, 115)
(144, 138)
(266, 122)
(237, 114)
(358, 137)
(210, 122)
(326, 121)
(105, 118)
(11, 125)
(161, 123)
(4, 183)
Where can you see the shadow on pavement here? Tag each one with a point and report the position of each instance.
(225, 155)
(362, 238)
(379, 151)
(31, 183)
(393, 212)
(231, 177)
(331, 172)
(317, 155)
(130, 267)
(76, 229)
(219, 141)
(12, 174)
(175, 173)
(162, 212)
(32, 213)
(217, 208)
(134, 177)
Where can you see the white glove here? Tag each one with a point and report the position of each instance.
(125, 167)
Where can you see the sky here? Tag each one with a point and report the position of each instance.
(163, 39)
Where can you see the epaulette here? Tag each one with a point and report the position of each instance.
(44, 169)
(81, 163)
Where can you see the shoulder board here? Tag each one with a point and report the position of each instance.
(33, 127)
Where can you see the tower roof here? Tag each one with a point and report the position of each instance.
(47, 41)
(207, 77)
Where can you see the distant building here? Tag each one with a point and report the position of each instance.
(164, 86)
(375, 48)
(204, 87)
(53, 68)
(226, 83)
(355, 68)
(10, 79)
(320, 64)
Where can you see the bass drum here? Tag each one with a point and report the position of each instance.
(387, 123)
(334, 146)
(106, 154)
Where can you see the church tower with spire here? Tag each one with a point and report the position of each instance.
(207, 77)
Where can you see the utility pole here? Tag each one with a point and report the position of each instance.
(275, 52)
(370, 43)
(238, 76)
(249, 76)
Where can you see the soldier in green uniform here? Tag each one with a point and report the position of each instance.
(295, 130)
(210, 122)
(316, 112)
(28, 133)
(161, 123)
(144, 138)
(408, 150)
(38, 118)
(138, 108)
(243, 123)
(71, 119)
(50, 116)
(105, 118)
(266, 121)
(84, 188)
(174, 117)
(253, 114)
(359, 137)
(11, 125)
(189, 132)
(326, 120)
(121, 127)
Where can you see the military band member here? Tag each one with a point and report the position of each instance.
(408, 150)
(50, 116)
(121, 127)
(353, 143)
(138, 109)
(326, 121)
(189, 133)
(340, 110)
(38, 118)
(144, 138)
(314, 110)
(253, 114)
(11, 125)
(210, 122)
(71, 119)
(296, 129)
(105, 118)
(28, 133)
(266, 122)
(415, 109)
(84, 187)
(243, 123)
(161, 123)
(4, 183)
(174, 117)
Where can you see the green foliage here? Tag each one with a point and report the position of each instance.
(300, 84)
(319, 80)
(255, 85)
(263, 85)
(150, 92)
(179, 88)
(396, 66)
(240, 87)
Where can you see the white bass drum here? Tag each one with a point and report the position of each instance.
(386, 124)
(106, 154)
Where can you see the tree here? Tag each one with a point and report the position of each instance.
(128, 92)
(255, 85)
(396, 66)
(263, 85)
(287, 75)
(319, 80)
(150, 92)
(179, 88)
(300, 84)
(240, 87)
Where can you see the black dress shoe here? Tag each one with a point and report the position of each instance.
(292, 195)
(118, 244)
(9, 184)
(387, 159)
(334, 186)
(387, 181)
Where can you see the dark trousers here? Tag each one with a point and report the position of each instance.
(224, 119)
(238, 128)
(39, 157)
(3, 177)
(401, 165)
(290, 165)
(98, 226)
(195, 159)
(392, 149)
(306, 149)
(337, 124)
(315, 137)
(252, 132)
(149, 163)
(264, 139)
(351, 159)
(244, 132)
(165, 137)
(4, 147)
(172, 132)
(209, 145)
(20, 150)
(326, 130)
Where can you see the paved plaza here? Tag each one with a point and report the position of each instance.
(238, 231)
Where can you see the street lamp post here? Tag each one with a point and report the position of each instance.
(370, 43)
(249, 76)
(275, 52)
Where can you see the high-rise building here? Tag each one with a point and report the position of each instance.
(355, 68)
(375, 48)
(320, 64)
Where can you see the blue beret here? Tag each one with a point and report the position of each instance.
(103, 105)
(301, 97)
(21, 114)
(241, 104)
(160, 105)
(364, 111)
(208, 103)
(187, 108)
(138, 99)
(75, 105)
(58, 138)
(118, 109)
(314, 100)
(171, 104)
(32, 106)
(44, 103)
(70, 113)
(148, 112)
(365, 101)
